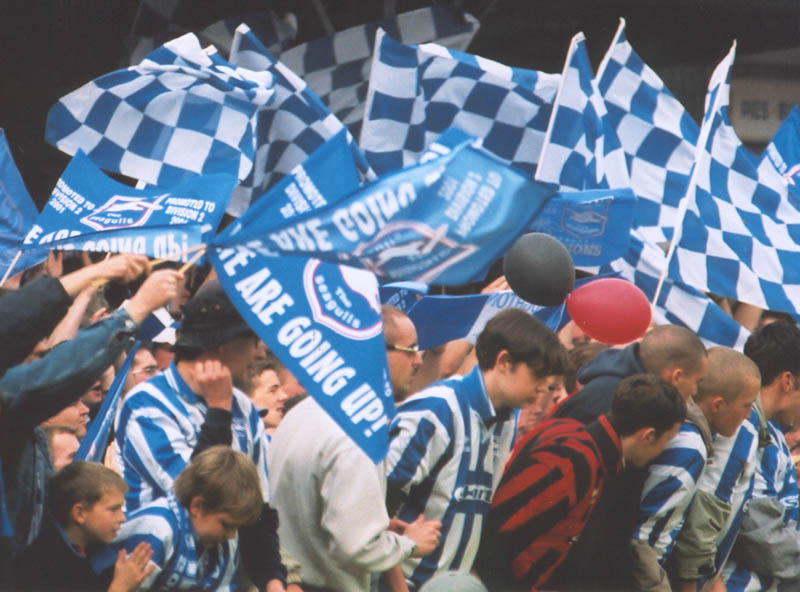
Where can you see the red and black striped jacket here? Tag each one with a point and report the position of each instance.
(549, 488)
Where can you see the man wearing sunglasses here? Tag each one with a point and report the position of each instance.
(402, 350)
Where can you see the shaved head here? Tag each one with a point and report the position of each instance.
(669, 346)
(730, 375)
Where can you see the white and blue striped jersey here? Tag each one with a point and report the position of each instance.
(448, 447)
(729, 475)
(180, 562)
(775, 477)
(668, 489)
(156, 433)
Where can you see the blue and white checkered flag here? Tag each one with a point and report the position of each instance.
(415, 93)
(644, 261)
(181, 112)
(337, 67)
(581, 150)
(294, 124)
(678, 303)
(657, 134)
(783, 155)
(276, 33)
(739, 237)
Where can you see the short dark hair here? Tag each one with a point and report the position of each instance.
(775, 348)
(525, 338)
(80, 481)
(646, 400)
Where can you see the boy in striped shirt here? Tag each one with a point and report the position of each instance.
(766, 549)
(725, 398)
(449, 443)
(193, 531)
(556, 474)
(166, 420)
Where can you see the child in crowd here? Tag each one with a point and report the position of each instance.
(193, 531)
(85, 503)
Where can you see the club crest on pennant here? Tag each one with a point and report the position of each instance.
(123, 212)
(344, 299)
(408, 249)
(587, 220)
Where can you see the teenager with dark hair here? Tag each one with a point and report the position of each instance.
(449, 442)
(551, 482)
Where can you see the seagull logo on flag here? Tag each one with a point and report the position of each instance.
(123, 211)
(344, 299)
(423, 252)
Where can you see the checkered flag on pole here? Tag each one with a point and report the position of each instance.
(678, 303)
(739, 236)
(294, 124)
(415, 93)
(182, 112)
(337, 67)
(581, 150)
(644, 261)
(657, 135)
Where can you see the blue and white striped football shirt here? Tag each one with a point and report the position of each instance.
(448, 447)
(729, 475)
(775, 477)
(180, 562)
(669, 488)
(156, 432)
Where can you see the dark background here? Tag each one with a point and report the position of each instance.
(51, 47)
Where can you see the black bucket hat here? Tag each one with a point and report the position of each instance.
(209, 320)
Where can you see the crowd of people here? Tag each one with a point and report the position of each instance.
(528, 460)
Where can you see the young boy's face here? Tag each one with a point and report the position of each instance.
(213, 528)
(104, 519)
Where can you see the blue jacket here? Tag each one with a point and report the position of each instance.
(600, 378)
(36, 391)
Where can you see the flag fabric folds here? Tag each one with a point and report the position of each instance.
(416, 93)
(337, 67)
(738, 239)
(294, 124)
(322, 320)
(17, 213)
(656, 133)
(90, 211)
(440, 319)
(581, 150)
(446, 219)
(180, 113)
(783, 154)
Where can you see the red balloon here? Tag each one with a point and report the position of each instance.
(610, 310)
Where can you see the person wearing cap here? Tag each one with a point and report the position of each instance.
(192, 405)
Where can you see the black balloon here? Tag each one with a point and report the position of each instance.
(539, 269)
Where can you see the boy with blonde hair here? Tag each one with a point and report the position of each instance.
(85, 506)
(194, 530)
